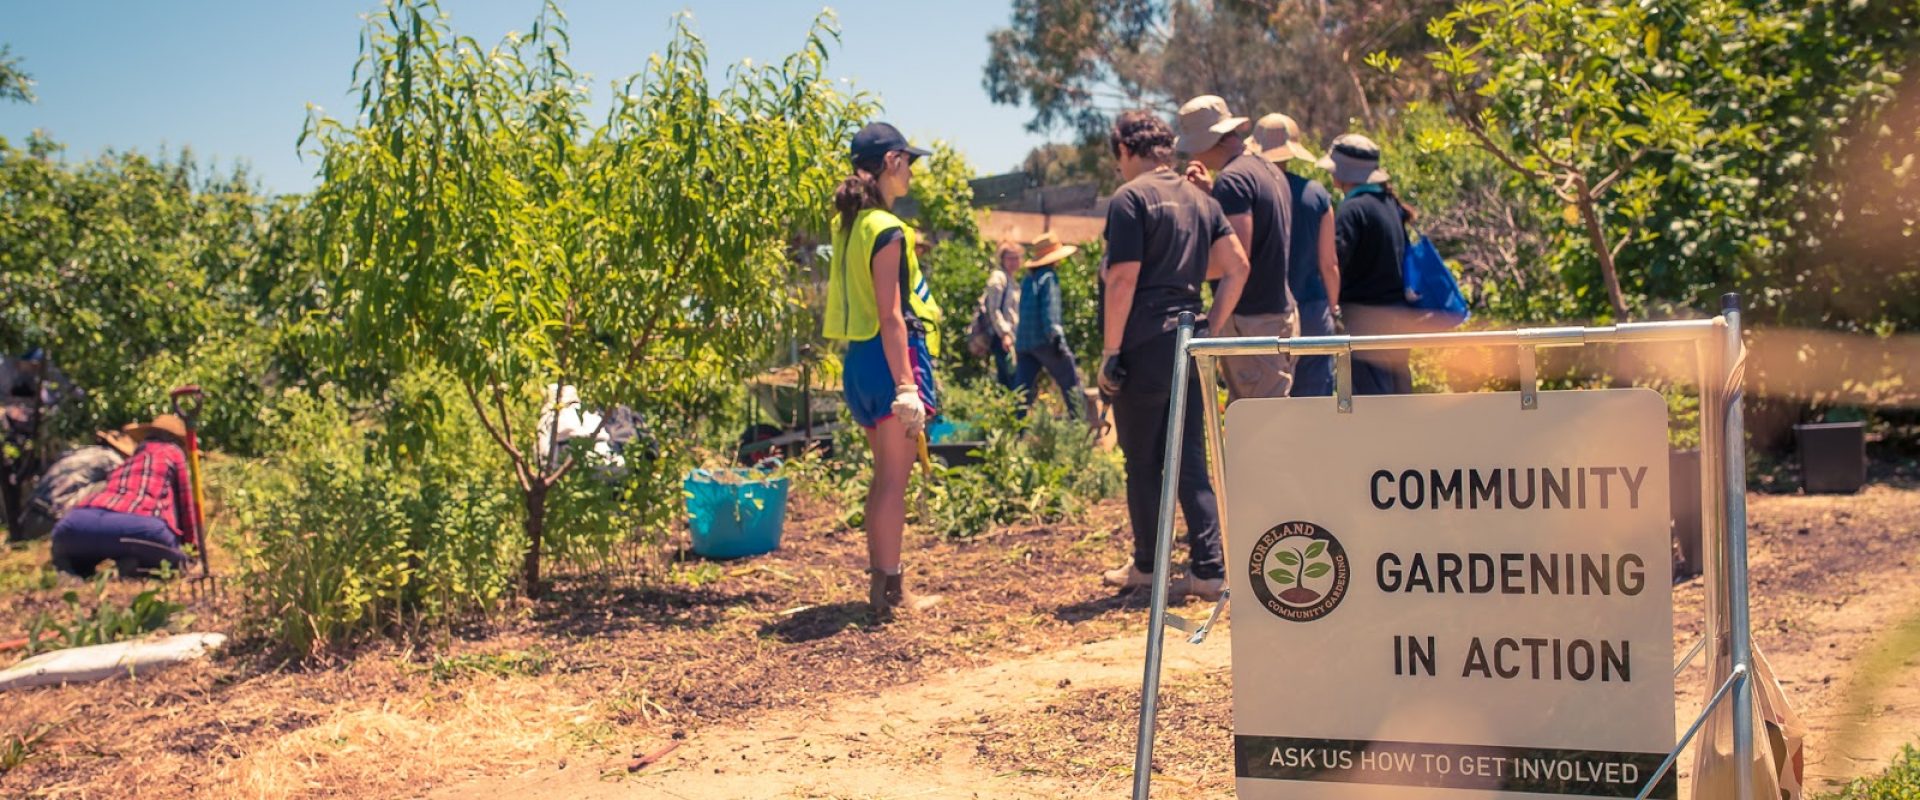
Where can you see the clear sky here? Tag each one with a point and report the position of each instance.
(230, 79)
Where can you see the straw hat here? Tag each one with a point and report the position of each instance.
(165, 423)
(1048, 250)
(1276, 137)
(119, 441)
(1204, 121)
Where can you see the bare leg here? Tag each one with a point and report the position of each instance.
(893, 458)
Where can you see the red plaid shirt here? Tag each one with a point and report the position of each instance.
(153, 483)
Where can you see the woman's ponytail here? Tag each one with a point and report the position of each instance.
(859, 192)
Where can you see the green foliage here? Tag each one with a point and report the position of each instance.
(943, 195)
(15, 83)
(1901, 781)
(105, 622)
(1036, 470)
(356, 528)
(1678, 139)
(139, 275)
(478, 224)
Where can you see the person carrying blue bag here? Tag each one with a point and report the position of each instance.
(1388, 284)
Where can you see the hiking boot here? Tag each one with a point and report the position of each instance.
(1209, 590)
(1126, 577)
(888, 594)
(877, 596)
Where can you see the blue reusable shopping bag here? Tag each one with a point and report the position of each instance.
(1431, 287)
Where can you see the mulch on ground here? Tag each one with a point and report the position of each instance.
(604, 662)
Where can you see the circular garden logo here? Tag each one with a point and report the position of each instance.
(1298, 571)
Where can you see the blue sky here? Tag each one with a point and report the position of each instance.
(230, 79)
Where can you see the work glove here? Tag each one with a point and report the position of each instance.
(1112, 375)
(907, 406)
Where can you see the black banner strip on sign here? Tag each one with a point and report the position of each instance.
(1589, 773)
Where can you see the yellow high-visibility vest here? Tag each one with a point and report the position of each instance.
(853, 312)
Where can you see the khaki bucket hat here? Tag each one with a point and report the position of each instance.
(1204, 121)
(1277, 138)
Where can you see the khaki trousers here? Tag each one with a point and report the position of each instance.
(1259, 376)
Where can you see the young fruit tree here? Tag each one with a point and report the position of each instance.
(477, 224)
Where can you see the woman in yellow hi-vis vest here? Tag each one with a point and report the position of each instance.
(878, 304)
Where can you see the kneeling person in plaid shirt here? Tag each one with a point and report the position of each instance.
(142, 515)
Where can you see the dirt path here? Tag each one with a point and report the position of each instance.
(911, 741)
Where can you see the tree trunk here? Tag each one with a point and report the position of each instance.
(536, 530)
(1598, 236)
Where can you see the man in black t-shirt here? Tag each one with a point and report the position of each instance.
(1164, 238)
(1254, 196)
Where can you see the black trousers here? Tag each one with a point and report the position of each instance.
(1140, 424)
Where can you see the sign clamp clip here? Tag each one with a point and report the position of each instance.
(1529, 378)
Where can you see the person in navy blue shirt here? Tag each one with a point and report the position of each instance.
(1313, 265)
(1040, 340)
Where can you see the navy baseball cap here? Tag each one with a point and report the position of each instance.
(878, 139)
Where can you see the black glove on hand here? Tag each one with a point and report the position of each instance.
(1112, 375)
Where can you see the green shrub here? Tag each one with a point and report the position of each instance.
(356, 527)
(1037, 469)
(1901, 781)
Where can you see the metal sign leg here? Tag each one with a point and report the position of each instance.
(1736, 483)
(1162, 561)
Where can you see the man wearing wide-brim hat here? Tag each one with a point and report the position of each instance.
(1370, 240)
(1040, 336)
(143, 515)
(1313, 271)
(1254, 197)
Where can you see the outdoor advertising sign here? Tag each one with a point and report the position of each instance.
(1449, 596)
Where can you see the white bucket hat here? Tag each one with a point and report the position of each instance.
(1354, 159)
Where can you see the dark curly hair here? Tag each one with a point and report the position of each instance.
(1144, 134)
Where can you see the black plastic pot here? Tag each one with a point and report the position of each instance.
(1833, 457)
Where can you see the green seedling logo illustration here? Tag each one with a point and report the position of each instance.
(1299, 571)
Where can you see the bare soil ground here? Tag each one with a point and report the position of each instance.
(766, 680)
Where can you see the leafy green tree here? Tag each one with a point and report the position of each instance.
(476, 223)
(1672, 135)
(943, 196)
(1076, 62)
(140, 274)
(15, 83)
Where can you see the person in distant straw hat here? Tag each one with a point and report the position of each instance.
(1312, 266)
(1370, 241)
(1253, 195)
(1040, 341)
(142, 517)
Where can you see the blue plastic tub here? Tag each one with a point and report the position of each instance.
(942, 430)
(739, 515)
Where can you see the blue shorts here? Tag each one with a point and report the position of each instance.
(870, 384)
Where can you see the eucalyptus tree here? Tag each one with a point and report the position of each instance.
(477, 223)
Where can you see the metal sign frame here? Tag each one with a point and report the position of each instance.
(1721, 359)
